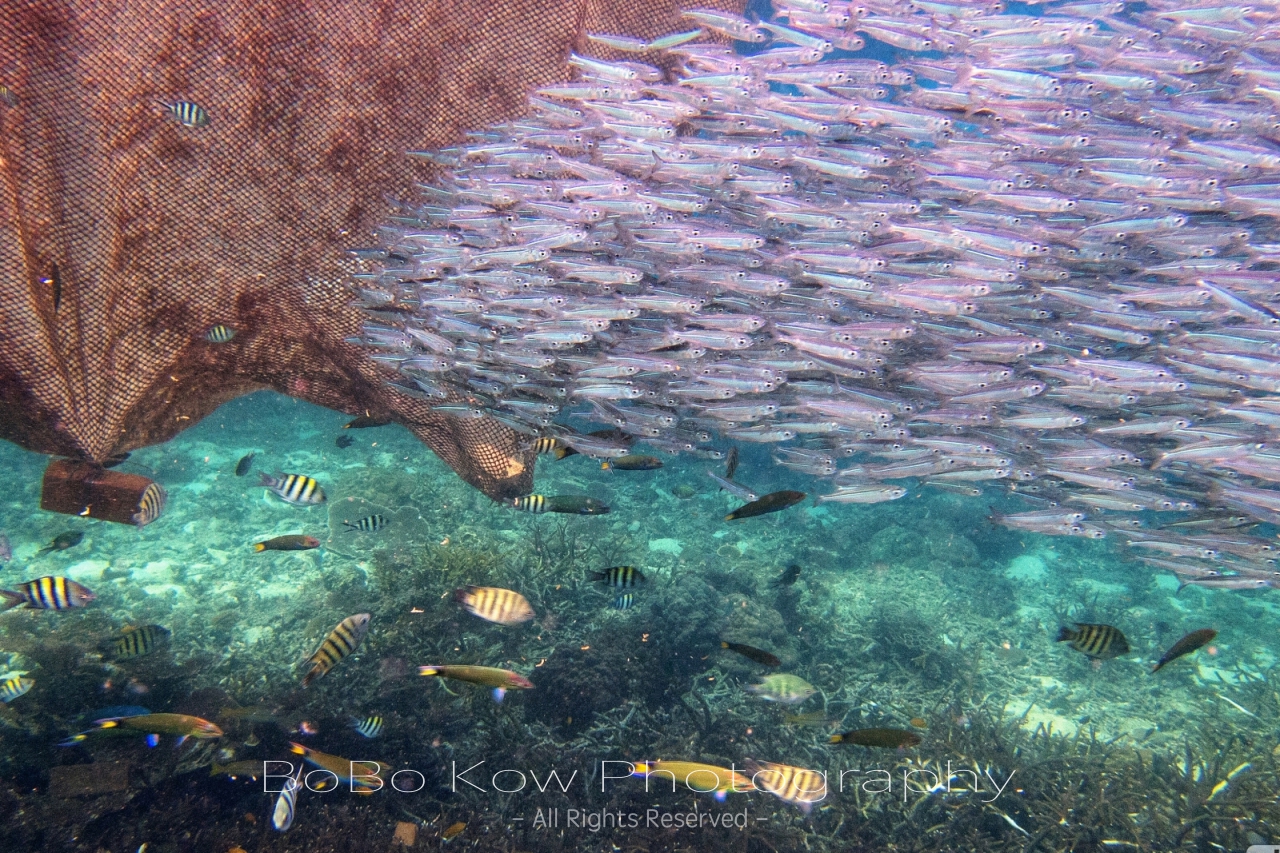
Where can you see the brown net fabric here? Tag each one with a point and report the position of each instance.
(154, 232)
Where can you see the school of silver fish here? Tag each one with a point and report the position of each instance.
(1029, 251)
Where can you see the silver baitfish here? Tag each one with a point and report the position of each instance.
(992, 257)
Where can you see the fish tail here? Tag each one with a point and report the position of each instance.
(836, 739)
(10, 599)
(428, 670)
(74, 739)
(261, 546)
(311, 676)
(598, 576)
(1065, 634)
(460, 594)
(297, 748)
(499, 693)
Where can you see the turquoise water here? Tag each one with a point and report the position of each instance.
(916, 615)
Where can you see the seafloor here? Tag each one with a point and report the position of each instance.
(916, 614)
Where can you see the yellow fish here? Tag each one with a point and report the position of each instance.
(703, 778)
(784, 688)
(341, 642)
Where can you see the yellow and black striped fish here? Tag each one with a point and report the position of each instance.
(1101, 642)
(46, 593)
(297, 489)
(187, 114)
(150, 505)
(219, 334)
(136, 642)
(341, 642)
(7, 96)
(494, 604)
(530, 503)
(546, 444)
(620, 577)
(368, 524)
(794, 785)
(15, 687)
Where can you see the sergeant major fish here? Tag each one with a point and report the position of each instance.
(297, 489)
(340, 642)
(46, 593)
(1100, 642)
(494, 604)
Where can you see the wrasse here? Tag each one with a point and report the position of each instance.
(794, 785)
(632, 462)
(250, 767)
(703, 778)
(881, 738)
(1186, 646)
(1100, 642)
(293, 542)
(182, 725)
(342, 641)
(353, 773)
(297, 489)
(494, 604)
(136, 642)
(46, 593)
(367, 421)
(772, 502)
(501, 680)
(760, 656)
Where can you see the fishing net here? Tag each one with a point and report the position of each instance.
(125, 236)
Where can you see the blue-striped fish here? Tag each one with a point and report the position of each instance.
(494, 604)
(150, 505)
(286, 803)
(369, 727)
(15, 687)
(624, 601)
(369, 524)
(219, 334)
(297, 489)
(46, 593)
(187, 113)
(342, 641)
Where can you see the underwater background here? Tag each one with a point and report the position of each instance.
(963, 685)
(915, 615)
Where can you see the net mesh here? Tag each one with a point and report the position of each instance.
(125, 235)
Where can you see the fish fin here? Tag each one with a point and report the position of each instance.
(153, 740)
(1064, 635)
(721, 795)
(836, 739)
(261, 546)
(11, 599)
(498, 693)
(297, 748)
(74, 739)
(428, 670)
(312, 675)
